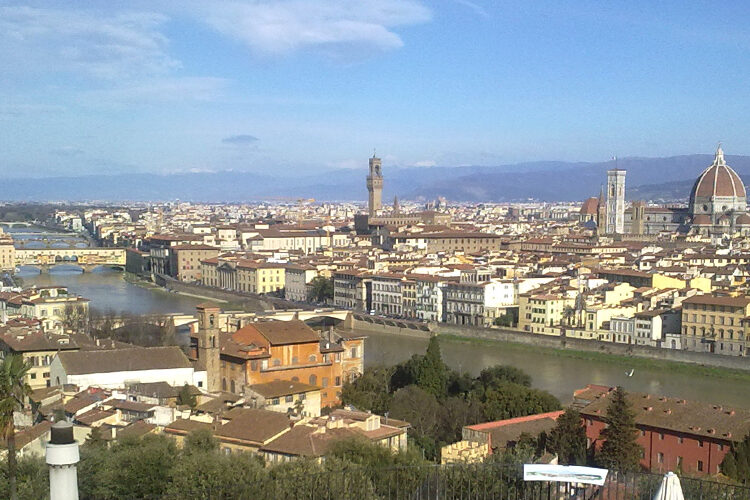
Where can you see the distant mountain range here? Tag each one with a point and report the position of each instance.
(658, 179)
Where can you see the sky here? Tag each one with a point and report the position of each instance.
(287, 86)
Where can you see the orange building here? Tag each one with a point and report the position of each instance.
(289, 350)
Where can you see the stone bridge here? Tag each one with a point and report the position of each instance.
(85, 258)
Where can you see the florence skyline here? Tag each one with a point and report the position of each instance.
(311, 85)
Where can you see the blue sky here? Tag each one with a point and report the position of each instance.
(280, 86)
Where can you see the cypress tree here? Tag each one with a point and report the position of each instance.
(568, 438)
(620, 450)
(432, 375)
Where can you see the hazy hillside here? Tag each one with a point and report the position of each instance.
(647, 178)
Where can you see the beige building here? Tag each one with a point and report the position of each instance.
(50, 305)
(285, 396)
(715, 324)
(543, 312)
(296, 281)
(260, 277)
(185, 261)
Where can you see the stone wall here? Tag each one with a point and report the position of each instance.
(504, 335)
(254, 302)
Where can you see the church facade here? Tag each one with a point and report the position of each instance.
(717, 206)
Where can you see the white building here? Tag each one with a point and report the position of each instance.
(117, 368)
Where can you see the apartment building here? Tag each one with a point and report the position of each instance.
(713, 323)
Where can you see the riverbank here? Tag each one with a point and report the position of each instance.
(627, 362)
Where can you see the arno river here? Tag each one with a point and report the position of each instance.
(559, 375)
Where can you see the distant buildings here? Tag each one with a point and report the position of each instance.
(717, 206)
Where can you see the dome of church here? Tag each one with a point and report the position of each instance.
(743, 220)
(702, 220)
(718, 180)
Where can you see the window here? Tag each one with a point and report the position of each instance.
(289, 399)
(679, 439)
(679, 462)
(275, 401)
(661, 436)
(277, 362)
(302, 397)
(312, 358)
(660, 457)
(313, 380)
(354, 352)
(325, 382)
(700, 465)
(254, 364)
(338, 382)
(700, 444)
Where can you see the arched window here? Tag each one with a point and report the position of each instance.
(295, 379)
(233, 386)
(312, 358)
(223, 384)
(313, 380)
(211, 320)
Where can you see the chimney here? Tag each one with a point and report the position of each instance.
(62, 456)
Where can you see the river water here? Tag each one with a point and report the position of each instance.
(108, 290)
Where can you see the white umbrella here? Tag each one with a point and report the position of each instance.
(670, 488)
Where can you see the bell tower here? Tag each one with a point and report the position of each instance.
(375, 186)
(208, 344)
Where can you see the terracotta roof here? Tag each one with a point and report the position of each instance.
(718, 301)
(136, 429)
(590, 206)
(122, 360)
(253, 426)
(719, 179)
(183, 426)
(278, 332)
(688, 417)
(278, 388)
(306, 440)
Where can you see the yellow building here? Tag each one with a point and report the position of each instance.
(260, 277)
(715, 324)
(543, 313)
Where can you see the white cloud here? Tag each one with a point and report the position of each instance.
(425, 163)
(273, 27)
(475, 7)
(108, 46)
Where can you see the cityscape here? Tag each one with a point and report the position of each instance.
(220, 277)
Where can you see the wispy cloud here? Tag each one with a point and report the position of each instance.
(157, 90)
(274, 27)
(474, 7)
(107, 46)
(242, 139)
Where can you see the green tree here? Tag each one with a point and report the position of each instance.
(369, 392)
(213, 475)
(13, 392)
(131, 468)
(568, 438)
(321, 289)
(504, 320)
(432, 374)
(32, 480)
(736, 463)
(495, 375)
(620, 450)
(95, 438)
(186, 397)
(512, 400)
(200, 441)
